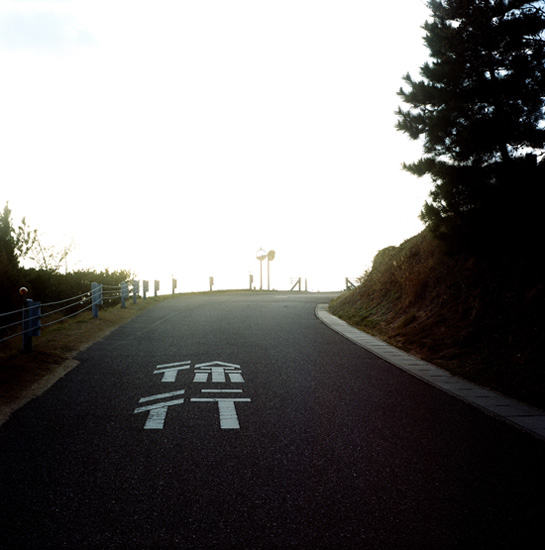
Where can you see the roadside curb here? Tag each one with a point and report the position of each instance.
(525, 417)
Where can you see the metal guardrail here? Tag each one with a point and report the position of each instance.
(29, 320)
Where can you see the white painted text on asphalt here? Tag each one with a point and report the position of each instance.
(216, 372)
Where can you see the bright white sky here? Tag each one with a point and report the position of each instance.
(176, 138)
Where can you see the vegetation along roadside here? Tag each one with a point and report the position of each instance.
(479, 318)
(467, 293)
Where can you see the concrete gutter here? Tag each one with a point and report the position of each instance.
(525, 417)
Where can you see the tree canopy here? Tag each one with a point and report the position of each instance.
(14, 244)
(479, 111)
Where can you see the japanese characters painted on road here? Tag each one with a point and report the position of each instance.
(170, 370)
(213, 373)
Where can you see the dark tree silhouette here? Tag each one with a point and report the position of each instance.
(479, 110)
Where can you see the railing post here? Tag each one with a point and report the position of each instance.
(32, 315)
(135, 290)
(96, 298)
(124, 293)
(297, 283)
(349, 284)
(145, 288)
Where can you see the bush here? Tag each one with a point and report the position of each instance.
(49, 286)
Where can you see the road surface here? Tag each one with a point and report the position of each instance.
(242, 421)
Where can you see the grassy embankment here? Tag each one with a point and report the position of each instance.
(482, 320)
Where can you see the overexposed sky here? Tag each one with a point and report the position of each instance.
(178, 137)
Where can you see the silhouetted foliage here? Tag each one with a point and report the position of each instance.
(43, 284)
(15, 243)
(48, 285)
(457, 311)
(479, 109)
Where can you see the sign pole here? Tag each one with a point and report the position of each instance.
(261, 255)
(270, 257)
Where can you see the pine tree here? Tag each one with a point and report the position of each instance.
(479, 109)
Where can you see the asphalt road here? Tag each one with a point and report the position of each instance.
(241, 421)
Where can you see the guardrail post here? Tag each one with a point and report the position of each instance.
(124, 293)
(135, 290)
(145, 288)
(96, 298)
(32, 315)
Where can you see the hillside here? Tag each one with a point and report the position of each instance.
(481, 318)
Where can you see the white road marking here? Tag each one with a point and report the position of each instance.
(173, 364)
(222, 391)
(157, 413)
(156, 419)
(161, 396)
(159, 405)
(227, 411)
(218, 371)
(221, 363)
(170, 370)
